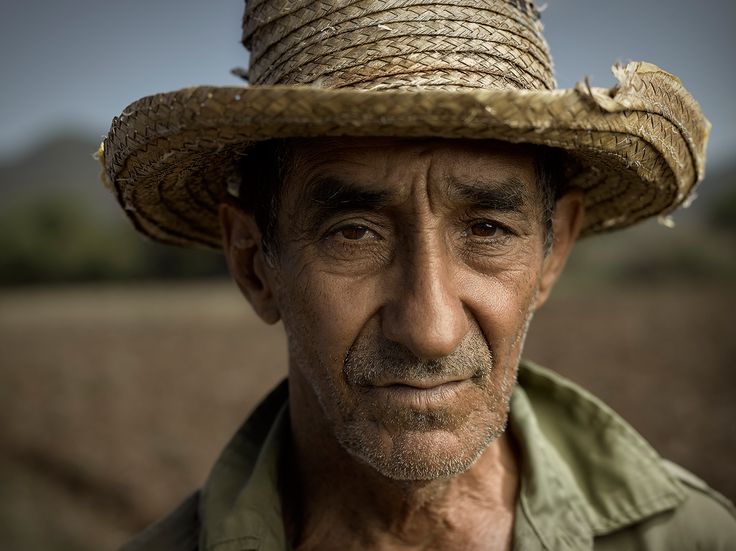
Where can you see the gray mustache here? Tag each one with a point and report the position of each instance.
(368, 364)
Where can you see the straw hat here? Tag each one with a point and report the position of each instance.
(407, 68)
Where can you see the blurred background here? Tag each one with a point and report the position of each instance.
(125, 365)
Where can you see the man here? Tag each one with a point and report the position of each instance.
(401, 187)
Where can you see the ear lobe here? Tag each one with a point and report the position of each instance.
(243, 251)
(566, 225)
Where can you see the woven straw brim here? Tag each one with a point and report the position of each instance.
(637, 150)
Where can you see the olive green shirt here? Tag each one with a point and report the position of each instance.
(588, 481)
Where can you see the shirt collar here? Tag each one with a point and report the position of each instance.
(240, 507)
(584, 472)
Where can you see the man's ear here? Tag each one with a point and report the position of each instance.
(566, 225)
(241, 239)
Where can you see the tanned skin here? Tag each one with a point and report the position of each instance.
(406, 275)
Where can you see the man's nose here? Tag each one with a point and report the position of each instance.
(425, 312)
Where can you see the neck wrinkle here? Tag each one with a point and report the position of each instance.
(338, 496)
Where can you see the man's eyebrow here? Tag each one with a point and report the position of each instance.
(508, 194)
(329, 196)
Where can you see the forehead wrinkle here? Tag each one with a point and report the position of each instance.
(451, 182)
(328, 180)
(433, 202)
(414, 188)
(431, 185)
(315, 166)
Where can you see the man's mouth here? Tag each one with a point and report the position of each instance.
(424, 394)
(423, 383)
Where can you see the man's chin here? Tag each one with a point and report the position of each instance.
(419, 455)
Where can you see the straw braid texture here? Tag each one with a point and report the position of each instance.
(393, 44)
(464, 70)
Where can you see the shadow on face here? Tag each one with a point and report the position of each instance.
(406, 275)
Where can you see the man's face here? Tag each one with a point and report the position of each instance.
(406, 277)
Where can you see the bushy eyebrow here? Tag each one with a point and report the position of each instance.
(330, 196)
(506, 195)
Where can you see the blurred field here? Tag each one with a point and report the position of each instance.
(116, 400)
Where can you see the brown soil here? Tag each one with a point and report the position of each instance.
(116, 401)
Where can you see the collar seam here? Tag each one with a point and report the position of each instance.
(530, 520)
(580, 509)
(255, 540)
(579, 506)
(629, 515)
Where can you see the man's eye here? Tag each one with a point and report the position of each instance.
(354, 233)
(486, 229)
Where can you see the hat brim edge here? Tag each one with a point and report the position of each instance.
(160, 135)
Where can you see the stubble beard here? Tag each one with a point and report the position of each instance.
(354, 429)
(407, 444)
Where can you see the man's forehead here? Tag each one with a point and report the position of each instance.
(325, 149)
(379, 163)
(332, 177)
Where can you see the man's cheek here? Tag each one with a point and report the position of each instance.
(500, 310)
(342, 306)
(316, 324)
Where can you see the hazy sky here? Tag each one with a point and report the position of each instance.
(80, 62)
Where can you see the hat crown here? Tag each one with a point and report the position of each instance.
(397, 44)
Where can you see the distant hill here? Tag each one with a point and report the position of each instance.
(720, 181)
(59, 224)
(62, 164)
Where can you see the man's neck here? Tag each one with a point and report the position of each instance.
(335, 501)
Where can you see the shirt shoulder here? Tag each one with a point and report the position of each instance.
(705, 521)
(628, 495)
(179, 531)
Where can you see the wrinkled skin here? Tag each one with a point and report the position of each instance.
(406, 277)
